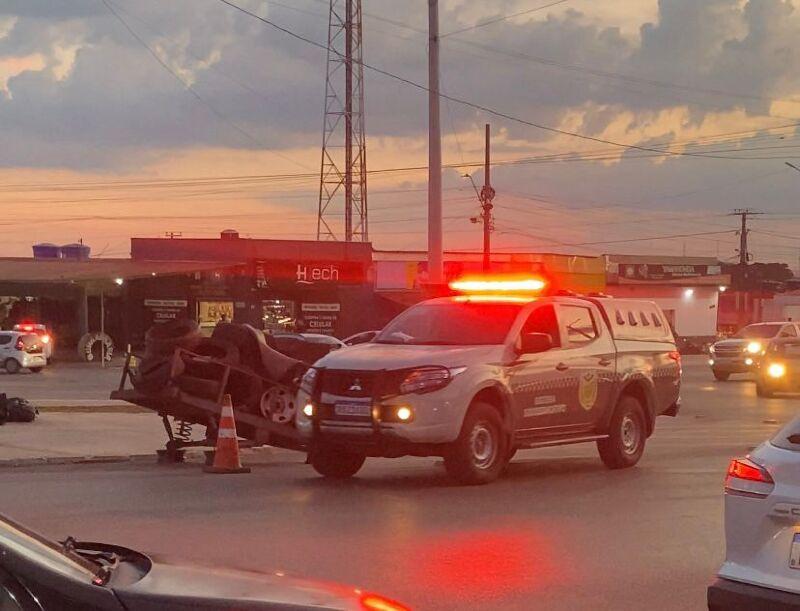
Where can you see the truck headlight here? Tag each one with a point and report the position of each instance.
(711, 349)
(427, 379)
(754, 347)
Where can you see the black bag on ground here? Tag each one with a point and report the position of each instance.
(20, 410)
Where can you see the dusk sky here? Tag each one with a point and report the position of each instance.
(100, 141)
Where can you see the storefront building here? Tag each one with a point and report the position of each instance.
(687, 289)
(319, 287)
(401, 277)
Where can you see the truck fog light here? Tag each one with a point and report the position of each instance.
(404, 414)
(776, 370)
(748, 362)
(308, 410)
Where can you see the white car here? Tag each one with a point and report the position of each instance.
(762, 528)
(42, 331)
(21, 350)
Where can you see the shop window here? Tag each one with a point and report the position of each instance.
(632, 319)
(210, 313)
(620, 318)
(643, 316)
(277, 314)
(656, 320)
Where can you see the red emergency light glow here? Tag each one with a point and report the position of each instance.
(498, 285)
(492, 299)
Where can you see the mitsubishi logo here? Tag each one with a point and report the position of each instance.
(355, 386)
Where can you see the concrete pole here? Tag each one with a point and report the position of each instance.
(435, 249)
(102, 328)
(487, 196)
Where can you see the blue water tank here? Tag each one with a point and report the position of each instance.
(46, 250)
(76, 252)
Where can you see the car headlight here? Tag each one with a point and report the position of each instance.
(711, 349)
(308, 380)
(776, 370)
(427, 379)
(754, 347)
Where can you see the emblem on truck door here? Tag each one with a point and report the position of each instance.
(587, 390)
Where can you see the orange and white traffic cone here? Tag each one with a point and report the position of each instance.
(226, 456)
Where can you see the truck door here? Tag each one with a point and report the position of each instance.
(537, 382)
(589, 361)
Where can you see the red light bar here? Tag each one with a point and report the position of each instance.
(498, 285)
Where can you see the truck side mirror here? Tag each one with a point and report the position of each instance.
(533, 343)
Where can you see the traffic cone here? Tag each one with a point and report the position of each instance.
(226, 456)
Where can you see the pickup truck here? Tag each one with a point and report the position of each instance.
(474, 377)
(742, 352)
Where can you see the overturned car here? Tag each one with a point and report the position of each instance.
(184, 377)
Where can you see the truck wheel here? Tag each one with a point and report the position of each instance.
(722, 376)
(764, 391)
(12, 366)
(627, 435)
(479, 455)
(336, 464)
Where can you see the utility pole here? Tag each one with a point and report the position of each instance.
(435, 254)
(487, 195)
(744, 254)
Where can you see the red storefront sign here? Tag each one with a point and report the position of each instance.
(309, 272)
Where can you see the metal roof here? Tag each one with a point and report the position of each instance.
(19, 269)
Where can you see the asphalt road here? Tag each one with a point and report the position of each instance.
(558, 532)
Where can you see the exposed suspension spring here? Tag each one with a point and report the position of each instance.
(183, 430)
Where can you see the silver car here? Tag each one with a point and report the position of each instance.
(762, 528)
(21, 350)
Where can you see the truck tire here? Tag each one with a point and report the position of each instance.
(627, 435)
(764, 391)
(334, 463)
(722, 376)
(12, 366)
(479, 455)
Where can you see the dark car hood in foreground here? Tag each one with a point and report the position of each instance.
(170, 586)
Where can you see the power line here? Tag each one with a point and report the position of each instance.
(480, 107)
(483, 24)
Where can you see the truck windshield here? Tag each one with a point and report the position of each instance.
(763, 331)
(451, 324)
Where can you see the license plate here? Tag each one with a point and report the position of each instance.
(794, 555)
(363, 410)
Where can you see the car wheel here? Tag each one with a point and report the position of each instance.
(334, 463)
(721, 375)
(479, 455)
(764, 391)
(12, 366)
(36, 369)
(627, 436)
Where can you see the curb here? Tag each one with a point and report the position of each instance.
(73, 460)
(81, 408)
(193, 456)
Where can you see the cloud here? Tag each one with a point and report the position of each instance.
(79, 92)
